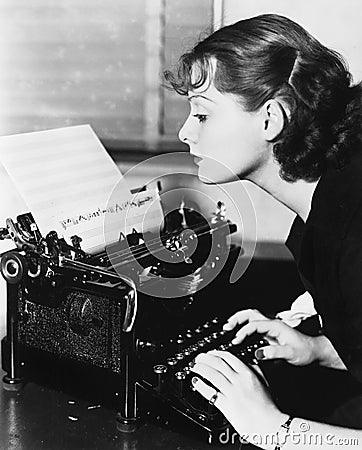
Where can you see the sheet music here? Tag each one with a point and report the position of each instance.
(143, 213)
(66, 178)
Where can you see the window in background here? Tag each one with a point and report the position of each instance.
(97, 62)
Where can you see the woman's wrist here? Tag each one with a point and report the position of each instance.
(318, 350)
(325, 354)
(266, 435)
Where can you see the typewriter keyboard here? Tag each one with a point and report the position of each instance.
(166, 366)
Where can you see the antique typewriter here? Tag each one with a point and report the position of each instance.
(75, 322)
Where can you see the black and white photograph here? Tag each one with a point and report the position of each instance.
(180, 224)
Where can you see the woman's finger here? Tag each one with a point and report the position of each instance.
(274, 352)
(271, 328)
(239, 367)
(216, 360)
(242, 317)
(211, 375)
(236, 365)
(211, 394)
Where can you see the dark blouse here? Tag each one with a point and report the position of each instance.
(328, 252)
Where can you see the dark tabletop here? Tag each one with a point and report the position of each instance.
(42, 418)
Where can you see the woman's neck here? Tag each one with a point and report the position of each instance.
(296, 196)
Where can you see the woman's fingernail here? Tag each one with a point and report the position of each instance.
(194, 380)
(259, 353)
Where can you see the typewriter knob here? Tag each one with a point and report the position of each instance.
(13, 267)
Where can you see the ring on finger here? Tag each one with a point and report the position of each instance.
(213, 398)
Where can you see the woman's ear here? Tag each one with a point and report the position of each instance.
(274, 119)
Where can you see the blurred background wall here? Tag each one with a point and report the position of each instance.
(100, 62)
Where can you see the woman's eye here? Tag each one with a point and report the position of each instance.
(201, 117)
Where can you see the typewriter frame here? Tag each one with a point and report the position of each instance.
(56, 259)
(16, 355)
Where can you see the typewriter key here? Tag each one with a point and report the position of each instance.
(171, 361)
(160, 370)
(180, 377)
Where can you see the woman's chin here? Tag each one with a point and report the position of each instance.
(205, 176)
(210, 177)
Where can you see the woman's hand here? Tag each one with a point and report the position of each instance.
(241, 397)
(285, 342)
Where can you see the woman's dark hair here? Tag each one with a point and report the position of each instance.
(270, 56)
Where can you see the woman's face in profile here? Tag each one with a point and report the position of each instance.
(227, 141)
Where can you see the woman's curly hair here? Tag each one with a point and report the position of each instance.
(270, 56)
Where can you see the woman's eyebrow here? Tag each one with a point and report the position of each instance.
(200, 96)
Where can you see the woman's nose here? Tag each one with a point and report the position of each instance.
(182, 133)
(186, 133)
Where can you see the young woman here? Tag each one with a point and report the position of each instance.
(276, 107)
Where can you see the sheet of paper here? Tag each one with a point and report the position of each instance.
(141, 214)
(11, 205)
(66, 178)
